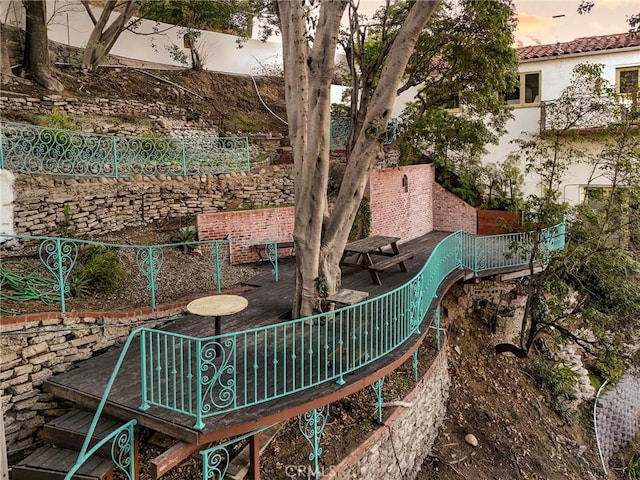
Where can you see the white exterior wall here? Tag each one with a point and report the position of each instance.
(6, 203)
(72, 26)
(555, 76)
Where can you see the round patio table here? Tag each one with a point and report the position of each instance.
(217, 306)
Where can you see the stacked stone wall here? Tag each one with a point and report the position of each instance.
(398, 448)
(33, 347)
(101, 205)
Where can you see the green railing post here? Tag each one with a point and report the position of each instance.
(144, 404)
(199, 425)
(115, 157)
(216, 250)
(152, 277)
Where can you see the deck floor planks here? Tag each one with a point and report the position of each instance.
(268, 304)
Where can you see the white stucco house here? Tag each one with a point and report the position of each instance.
(545, 70)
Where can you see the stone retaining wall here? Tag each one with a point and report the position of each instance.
(36, 346)
(398, 448)
(43, 205)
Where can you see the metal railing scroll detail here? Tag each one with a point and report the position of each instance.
(32, 149)
(240, 369)
(204, 377)
(53, 278)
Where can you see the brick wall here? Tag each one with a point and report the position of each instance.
(401, 201)
(262, 224)
(450, 213)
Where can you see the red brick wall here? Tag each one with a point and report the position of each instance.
(263, 224)
(394, 212)
(401, 210)
(450, 213)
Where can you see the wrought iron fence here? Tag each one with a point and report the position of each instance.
(203, 377)
(38, 150)
(340, 127)
(53, 279)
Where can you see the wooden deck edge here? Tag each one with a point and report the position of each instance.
(172, 457)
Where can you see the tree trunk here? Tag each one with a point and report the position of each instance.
(36, 47)
(5, 62)
(101, 40)
(319, 237)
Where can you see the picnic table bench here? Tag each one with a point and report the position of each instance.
(385, 249)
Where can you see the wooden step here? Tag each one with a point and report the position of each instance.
(51, 463)
(70, 429)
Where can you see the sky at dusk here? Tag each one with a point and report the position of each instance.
(536, 22)
(537, 25)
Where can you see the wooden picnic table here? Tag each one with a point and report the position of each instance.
(379, 246)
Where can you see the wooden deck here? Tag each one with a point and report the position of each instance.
(269, 303)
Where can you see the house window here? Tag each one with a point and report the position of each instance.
(628, 80)
(528, 93)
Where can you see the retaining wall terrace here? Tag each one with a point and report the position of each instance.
(35, 346)
(398, 448)
(97, 206)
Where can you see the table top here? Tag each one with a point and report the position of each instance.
(217, 305)
(369, 244)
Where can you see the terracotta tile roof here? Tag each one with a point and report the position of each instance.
(580, 45)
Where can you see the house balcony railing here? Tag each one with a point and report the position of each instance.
(586, 114)
(340, 128)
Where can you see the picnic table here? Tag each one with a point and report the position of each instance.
(385, 249)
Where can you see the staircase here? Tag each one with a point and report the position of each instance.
(65, 436)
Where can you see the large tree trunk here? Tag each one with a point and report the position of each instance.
(5, 62)
(36, 48)
(319, 237)
(103, 38)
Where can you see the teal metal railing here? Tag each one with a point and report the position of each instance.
(59, 257)
(341, 126)
(203, 377)
(38, 150)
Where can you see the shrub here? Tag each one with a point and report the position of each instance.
(183, 236)
(560, 381)
(99, 270)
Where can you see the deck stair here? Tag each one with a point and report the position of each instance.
(65, 436)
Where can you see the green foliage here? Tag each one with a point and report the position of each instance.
(631, 471)
(226, 16)
(99, 270)
(57, 119)
(322, 286)
(461, 66)
(609, 363)
(362, 224)
(183, 236)
(64, 226)
(560, 381)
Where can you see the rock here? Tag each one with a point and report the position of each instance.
(471, 439)
(457, 350)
